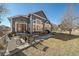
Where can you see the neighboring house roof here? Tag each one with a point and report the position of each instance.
(3, 27)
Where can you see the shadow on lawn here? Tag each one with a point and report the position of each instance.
(64, 37)
(19, 54)
(40, 47)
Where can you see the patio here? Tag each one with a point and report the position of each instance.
(21, 44)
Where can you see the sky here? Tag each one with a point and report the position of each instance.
(53, 11)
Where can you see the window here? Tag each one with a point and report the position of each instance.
(38, 21)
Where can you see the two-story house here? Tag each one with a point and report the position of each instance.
(36, 21)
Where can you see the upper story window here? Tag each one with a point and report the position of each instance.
(38, 21)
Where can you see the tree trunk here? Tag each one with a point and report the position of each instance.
(70, 31)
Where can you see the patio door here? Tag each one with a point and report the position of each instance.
(21, 28)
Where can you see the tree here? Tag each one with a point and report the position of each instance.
(54, 27)
(66, 25)
(77, 23)
(3, 11)
(67, 22)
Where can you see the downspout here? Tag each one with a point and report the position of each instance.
(31, 26)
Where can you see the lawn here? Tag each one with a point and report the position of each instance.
(58, 45)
